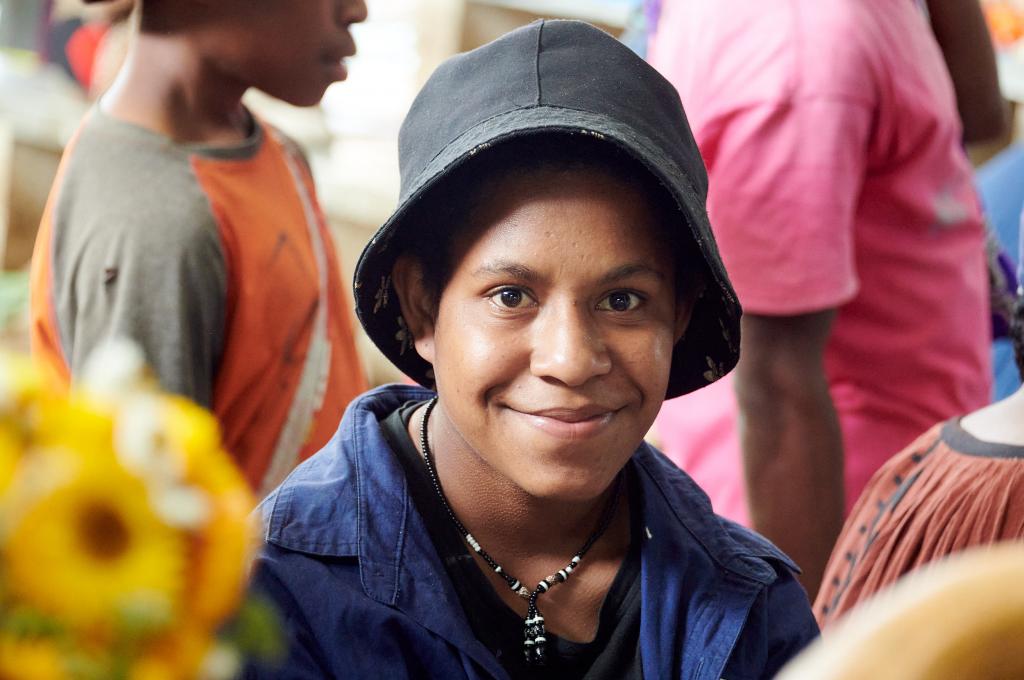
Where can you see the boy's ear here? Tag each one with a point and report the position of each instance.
(418, 305)
(685, 302)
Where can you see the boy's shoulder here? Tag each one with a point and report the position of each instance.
(118, 177)
(123, 144)
(126, 201)
(124, 183)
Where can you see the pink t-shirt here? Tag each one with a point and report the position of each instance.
(837, 180)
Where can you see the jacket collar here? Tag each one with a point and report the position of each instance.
(700, 575)
(351, 500)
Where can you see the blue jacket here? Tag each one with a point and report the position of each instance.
(348, 561)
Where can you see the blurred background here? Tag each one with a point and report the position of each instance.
(57, 56)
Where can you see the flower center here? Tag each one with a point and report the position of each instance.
(103, 532)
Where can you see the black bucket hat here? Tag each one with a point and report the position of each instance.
(552, 78)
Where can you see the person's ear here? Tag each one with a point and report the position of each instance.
(685, 302)
(417, 302)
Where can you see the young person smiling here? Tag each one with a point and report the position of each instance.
(551, 276)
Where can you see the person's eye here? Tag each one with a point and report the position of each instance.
(620, 301)
(510, 298)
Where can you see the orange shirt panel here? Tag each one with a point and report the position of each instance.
(272, 300)
(44, 335)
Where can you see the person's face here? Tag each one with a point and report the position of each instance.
(552, 340)
(290, 49)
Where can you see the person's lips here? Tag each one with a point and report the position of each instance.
(572, 414)
(337, 67)
(571, 423)
(334, 61)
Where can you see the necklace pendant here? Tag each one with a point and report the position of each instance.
(535, 641)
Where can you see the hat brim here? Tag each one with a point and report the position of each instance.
(708, 350)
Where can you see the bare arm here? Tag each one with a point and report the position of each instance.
(960, 30)
(792, 448)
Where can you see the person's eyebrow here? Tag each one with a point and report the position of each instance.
(514, 270)
(633, 269)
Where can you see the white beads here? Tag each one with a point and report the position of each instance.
(472, 542)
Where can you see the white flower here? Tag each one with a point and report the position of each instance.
(221, 663)
(114, 369)
(140, 441)
(181, 506)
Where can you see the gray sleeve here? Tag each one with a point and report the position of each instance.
(155, 280)
(137, 254)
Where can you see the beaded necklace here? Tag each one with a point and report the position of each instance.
(534, 633)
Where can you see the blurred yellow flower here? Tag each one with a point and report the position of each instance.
(195, 433)
(125, 531)
(226, 542)
(28, 658)
(176, 656)
(221, 558)
(22, 400)
(74, 423)
(20, 383)
(10, 453)
(85, 545)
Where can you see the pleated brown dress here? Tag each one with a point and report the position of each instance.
(946, 492)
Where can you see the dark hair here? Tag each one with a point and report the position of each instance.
(445, 213)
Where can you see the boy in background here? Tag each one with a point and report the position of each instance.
(183, 223)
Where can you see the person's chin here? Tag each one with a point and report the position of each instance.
(304, 93)
(310, 98)
(563, 477)
(569, 486)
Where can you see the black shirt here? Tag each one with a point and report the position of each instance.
(613, 654)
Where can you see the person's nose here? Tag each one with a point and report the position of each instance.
(351, 12)
(567, 345)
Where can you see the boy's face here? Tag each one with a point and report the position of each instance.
(552, 341)
(290, 49)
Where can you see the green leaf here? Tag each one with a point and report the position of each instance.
(256, 631)
(24, 622)
(144, 615)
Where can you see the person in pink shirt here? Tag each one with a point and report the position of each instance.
(844, 209)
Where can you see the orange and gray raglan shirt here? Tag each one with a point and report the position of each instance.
(219, 263)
